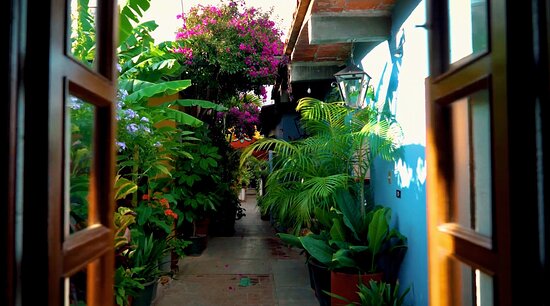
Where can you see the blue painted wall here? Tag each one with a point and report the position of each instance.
(288, 129)
(398, 68)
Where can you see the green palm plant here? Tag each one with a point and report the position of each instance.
(336, 155)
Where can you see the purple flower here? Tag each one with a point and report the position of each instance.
(132, 128)
(121, 146)
(129, 114)
(145, 128)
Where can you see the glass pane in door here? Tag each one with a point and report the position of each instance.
(79, 127)
(475, 287)
(75, 288)
(82, 31)
(467, 28)
(471, 146)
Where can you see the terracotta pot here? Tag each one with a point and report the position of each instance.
(345, 285)
(201, 227)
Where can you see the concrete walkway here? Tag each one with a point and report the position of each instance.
(250, 268)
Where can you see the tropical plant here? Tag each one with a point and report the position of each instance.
(378, 294)
(145, 257)
(127, 283)
(196, 178)
(351, 241)
(337, 155)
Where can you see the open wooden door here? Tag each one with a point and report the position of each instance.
(49, 260)
(487, 95)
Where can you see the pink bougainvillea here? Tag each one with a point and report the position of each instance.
(229, 49)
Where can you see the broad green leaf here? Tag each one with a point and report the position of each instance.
(337, 231)
(201, 103)
(341, 258)
(358, 248)
(132, 11)
(318, 249)
(290, 240)
(141, 90)
(143, 214)
(378, 230)
(123, 187)
(183, 118)
(162, 169)
(161, 224)
(351, 212)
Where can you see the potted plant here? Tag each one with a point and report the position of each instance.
(143, 261)
(353, 244)
(348, 243)
(378, 294)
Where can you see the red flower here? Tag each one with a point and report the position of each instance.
(164, 203)
(145, 197)
(170, 213)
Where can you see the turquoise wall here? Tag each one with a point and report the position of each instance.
(398, 79)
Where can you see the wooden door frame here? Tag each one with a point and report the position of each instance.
(518, 49)
(41, 74)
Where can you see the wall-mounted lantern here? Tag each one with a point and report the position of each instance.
(353, 83)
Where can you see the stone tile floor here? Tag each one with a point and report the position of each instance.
(249, 268)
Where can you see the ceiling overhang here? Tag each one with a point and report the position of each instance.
(347, 29)
(323, 31)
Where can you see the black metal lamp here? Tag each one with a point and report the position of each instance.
(353, 83)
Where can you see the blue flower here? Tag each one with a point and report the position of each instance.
(129, 113)
(132, 128)
(121, 146)
(75, 103)
(145, 128)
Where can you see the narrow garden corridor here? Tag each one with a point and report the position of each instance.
(249, 268)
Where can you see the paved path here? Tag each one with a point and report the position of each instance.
(250, 268)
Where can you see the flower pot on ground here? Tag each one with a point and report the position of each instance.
(139, 270)
(321, 278)
(378, 293)
(146, 296)
(201, 226)
(352, 242)
(197, 246)
(346, 284)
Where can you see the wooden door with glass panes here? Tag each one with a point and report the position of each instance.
(65, 148)
(488, 83)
